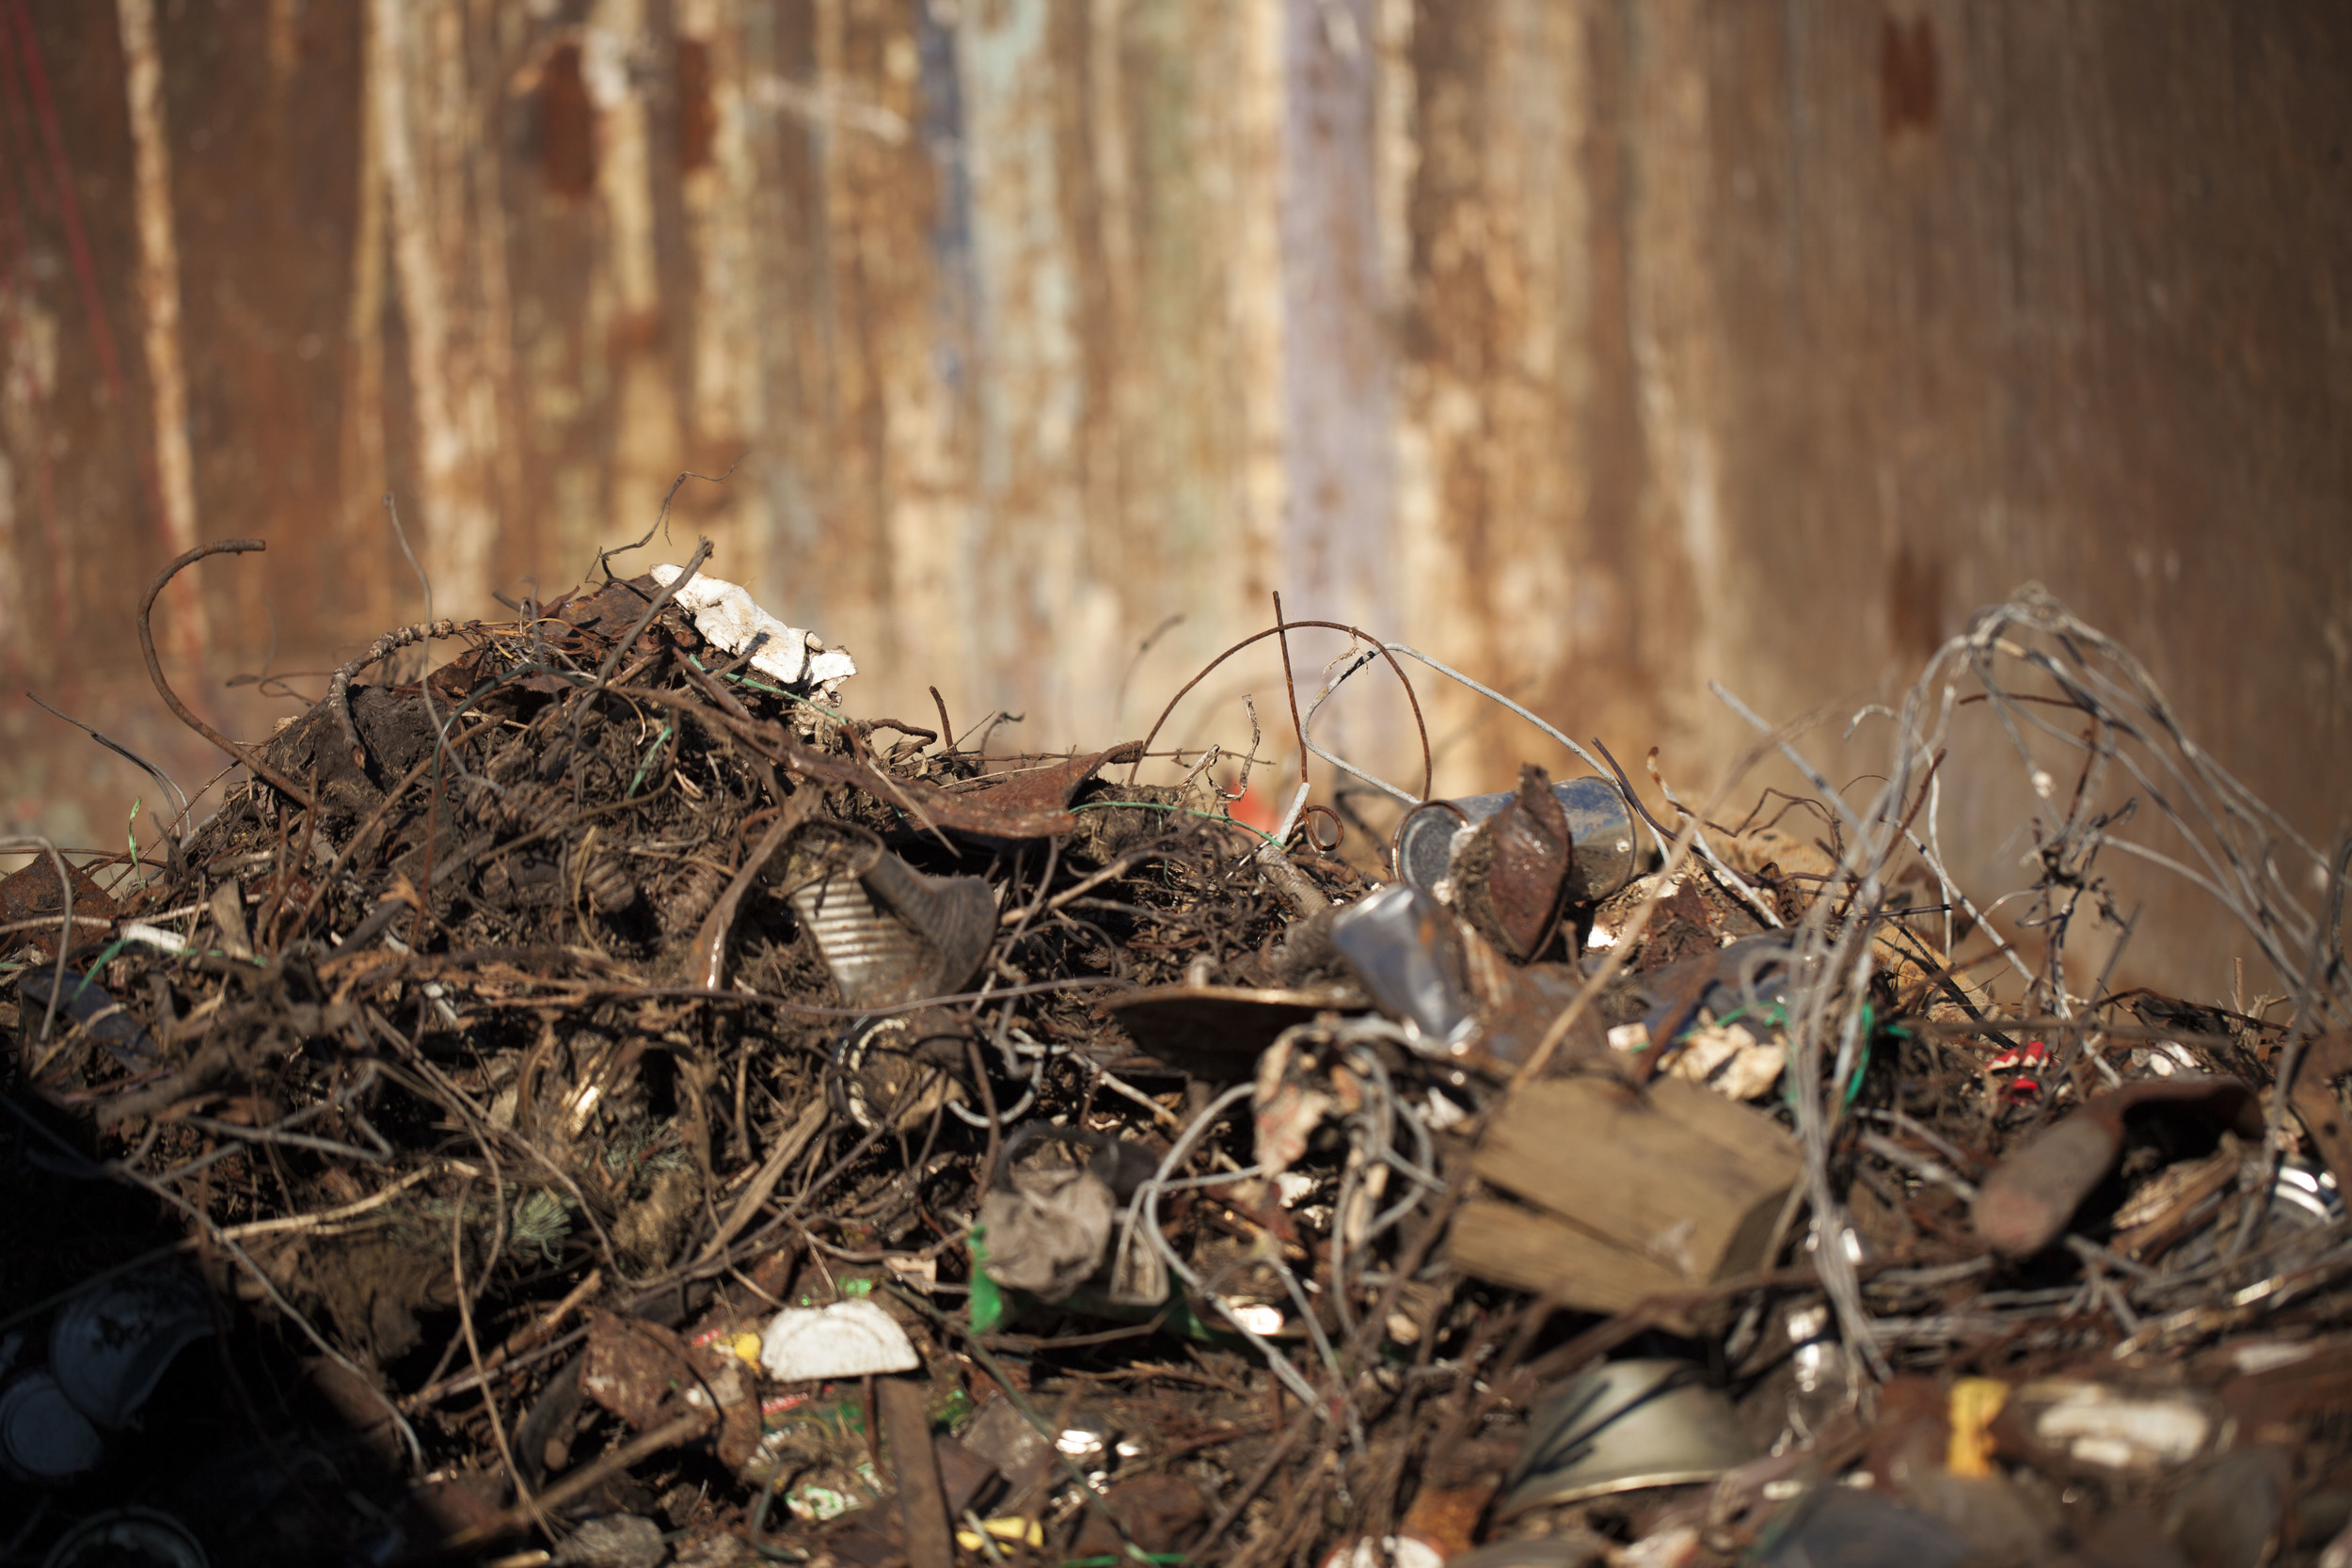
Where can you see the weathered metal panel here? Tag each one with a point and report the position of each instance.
(1604, 350)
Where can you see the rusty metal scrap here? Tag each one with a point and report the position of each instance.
(2028, 1199)
(1512, 873)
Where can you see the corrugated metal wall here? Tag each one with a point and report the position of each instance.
(1601, 348)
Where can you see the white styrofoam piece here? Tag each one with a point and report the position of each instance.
(726, 614)
(849, 1338)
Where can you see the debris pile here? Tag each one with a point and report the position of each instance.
(608, 1102)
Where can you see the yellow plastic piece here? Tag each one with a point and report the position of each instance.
(1019, 1531)
(1975, 1400)
(746, 1346)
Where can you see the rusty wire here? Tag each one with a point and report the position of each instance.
(1420, 726)
(259, 768)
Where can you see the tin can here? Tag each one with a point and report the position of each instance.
(1599, 824)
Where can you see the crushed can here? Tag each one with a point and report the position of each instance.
(111, 1345)
(1401, 945)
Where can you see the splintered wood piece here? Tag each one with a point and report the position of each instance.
(931, 1540)
(1674, 1173)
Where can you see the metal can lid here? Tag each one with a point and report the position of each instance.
(146, 1536)
(1425, 844)
(43, 1438)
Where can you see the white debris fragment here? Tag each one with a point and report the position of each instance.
(849, 1338)
(726, 613)
(153, 935)
(1731, 1061)
(2122, 1432)
(1629, 1036)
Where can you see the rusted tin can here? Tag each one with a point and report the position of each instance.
(1599, 826)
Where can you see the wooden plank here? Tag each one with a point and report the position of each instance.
(922, 1501)
(1529, 1251)
(1676, 1173)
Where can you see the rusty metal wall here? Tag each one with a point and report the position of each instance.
(1604, 349)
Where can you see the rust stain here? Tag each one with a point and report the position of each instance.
(567, 127)
(1915, 600)
(697, 122)
(1907, 89)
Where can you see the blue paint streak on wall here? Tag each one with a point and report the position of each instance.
(941, 127)
(1338, 404)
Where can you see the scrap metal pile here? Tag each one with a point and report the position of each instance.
(607, 1103)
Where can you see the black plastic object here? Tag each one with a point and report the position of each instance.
(1752, 973)
(1215, 1033)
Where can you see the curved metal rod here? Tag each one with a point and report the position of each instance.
(259, 769)
(1306, 738)
(1419, 723)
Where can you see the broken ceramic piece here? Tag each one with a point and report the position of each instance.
(1729, 1059)
(849, 1338)
(2106, 1429)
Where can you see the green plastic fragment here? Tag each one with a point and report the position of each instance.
(988, 1302)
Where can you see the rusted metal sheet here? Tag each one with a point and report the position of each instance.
(1604, 351)
(1029, 804)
